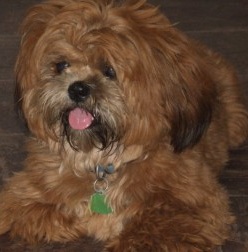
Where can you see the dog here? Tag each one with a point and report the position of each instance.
(130, 124)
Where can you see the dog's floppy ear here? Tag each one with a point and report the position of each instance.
(182, 77)
(31, 30)
(189, 95)
(192, 114)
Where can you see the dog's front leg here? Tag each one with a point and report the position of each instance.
(167, 228)
(26, 213)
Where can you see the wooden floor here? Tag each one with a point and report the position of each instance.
(221, 24)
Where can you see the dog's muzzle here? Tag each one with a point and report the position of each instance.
(79, 119)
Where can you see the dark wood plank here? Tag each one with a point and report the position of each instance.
(8, 49)
(12, 11)
(202, 15)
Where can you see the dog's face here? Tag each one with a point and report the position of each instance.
(93, 74)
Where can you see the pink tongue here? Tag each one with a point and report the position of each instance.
(79, 119)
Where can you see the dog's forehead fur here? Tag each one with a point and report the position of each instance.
(118, 30)
(83, 29)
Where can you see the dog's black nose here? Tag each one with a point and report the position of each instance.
(79, 91)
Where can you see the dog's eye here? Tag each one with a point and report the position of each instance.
(61, 66)
(109, 72)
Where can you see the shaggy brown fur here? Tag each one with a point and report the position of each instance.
(161, 108)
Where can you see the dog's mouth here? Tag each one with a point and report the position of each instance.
(80, 119)
(84, 129)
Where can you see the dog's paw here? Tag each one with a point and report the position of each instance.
(132, 245)
(149, 245)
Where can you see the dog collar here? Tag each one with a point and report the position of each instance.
(102, 171)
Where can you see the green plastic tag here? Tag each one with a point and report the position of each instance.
(99, 205)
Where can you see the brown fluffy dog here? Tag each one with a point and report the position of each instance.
(127, 113)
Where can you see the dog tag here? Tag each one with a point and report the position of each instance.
(99, 205)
